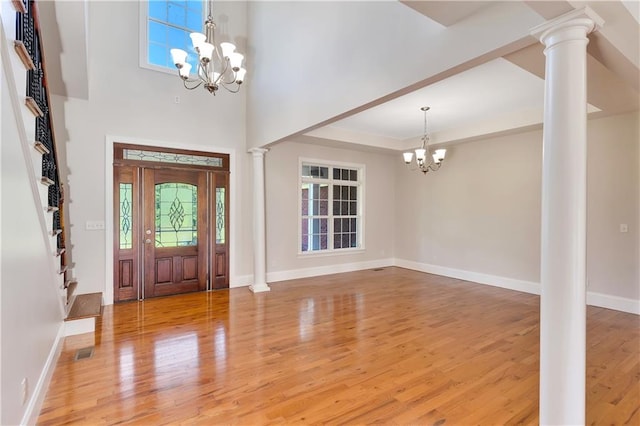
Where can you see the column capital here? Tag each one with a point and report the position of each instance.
(584, 18)
(258, 152)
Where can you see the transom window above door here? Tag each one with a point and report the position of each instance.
(330, 207)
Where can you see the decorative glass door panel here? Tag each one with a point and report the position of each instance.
(171, 221)
(175, 231)
(176, 214)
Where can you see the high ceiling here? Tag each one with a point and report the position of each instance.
(500, 95)
(488, 96)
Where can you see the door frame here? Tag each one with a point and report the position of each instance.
(234, 188)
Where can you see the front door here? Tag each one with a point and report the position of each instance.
(171, 211)
(175, 231)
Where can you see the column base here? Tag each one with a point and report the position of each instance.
(259, 288)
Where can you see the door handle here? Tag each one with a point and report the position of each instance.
(147, 241)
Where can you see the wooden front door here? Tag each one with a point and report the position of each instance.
(171, 222)
(175, 231)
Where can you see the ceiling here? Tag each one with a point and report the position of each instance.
(500, 95)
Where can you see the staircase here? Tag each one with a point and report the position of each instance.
(80, 310)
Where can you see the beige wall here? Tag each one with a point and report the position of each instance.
(281, 179)
(481, 212)
(613, 195)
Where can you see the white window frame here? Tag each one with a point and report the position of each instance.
(144, 40)
(330, 251)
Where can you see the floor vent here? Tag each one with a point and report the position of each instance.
(378, 269)
(84, 353)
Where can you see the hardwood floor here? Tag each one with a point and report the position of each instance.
(391, 346)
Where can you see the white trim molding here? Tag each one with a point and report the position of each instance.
(623, 304)
(34, 405)
(327, 270)
(476, 277)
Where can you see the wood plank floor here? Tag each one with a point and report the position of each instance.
(391, 346)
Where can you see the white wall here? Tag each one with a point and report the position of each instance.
(135, 103)
(481, 212)
(315, 60)
(282, 180)
(30, 313)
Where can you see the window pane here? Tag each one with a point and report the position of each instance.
(345, 174)
(324, 208)
(177, 14)
(337, 241)
(306, 171)
(345, 192)
(336, 207)
(126, 216)
(220, 216)
(158, 55)
(336, 225)
(177, 38)
(345, 240)
(336, 173)
(353, 193)
(176, 214)
(158, 10)
(354, 240)
(353, 208)
(324, 172)
(345, 208)
(157, 33)
(345, 225)
(354, 175)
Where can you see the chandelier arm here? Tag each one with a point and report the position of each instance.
(192, 81)
(225, 85)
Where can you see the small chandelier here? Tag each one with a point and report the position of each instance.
(424, 159)
(217, 66)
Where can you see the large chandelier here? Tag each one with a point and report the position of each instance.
(217, 65)
(424, 159)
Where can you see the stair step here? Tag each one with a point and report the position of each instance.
(46, 181)
(86, 306)
(23, 53)
(63, 269)
(39, 146)
(33, 107)
(19, 6)
(60, 251)
(71, 288)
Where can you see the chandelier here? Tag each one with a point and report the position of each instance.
(217, 65)
(424, 159)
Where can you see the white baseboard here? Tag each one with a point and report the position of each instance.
(79, 326)
(34, 404)
(477, 277)
(326, 270)
(617, 303)
(241, 281)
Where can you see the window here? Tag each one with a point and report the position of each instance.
(166, 25)
(330, 207)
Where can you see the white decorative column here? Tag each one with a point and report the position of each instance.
(564, 208)
(259, 229)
